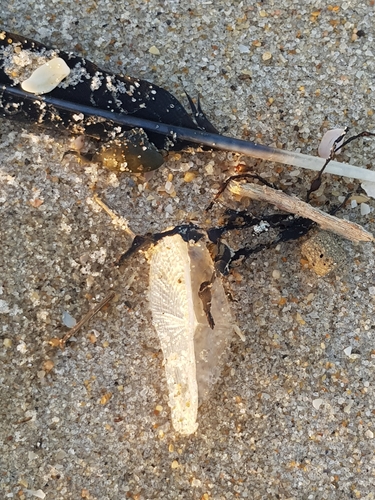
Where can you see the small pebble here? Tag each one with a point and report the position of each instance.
(276, 274)
(4, 308)
(365, 209)
(348, 351)
(105, 398)
(48, 365)
(244, 49)
(209, 168)
(317, 403)
(68, 320)
(7, 343)
(154, 50)
(189, 176)
(32, 456)
(36, 493)
(196, 483)
(369, 434)
(348, 407)
(22, 347)
(267, 56)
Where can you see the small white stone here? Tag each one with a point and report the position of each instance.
(169, 209)
(68, 320)
(327, 141)
(22, 347)
(348, 351)
(36, 493)
(47, 77)
(196, 483)
(317, 403)
(60, 455)
(239, 332)
(353, 203)
(32, 456)
(365, 209)
(209, 168)
(348, 407)
(154, 50)
(276, 274)
(4, 308)
(369, 434)
(244, 49)
(369, 187)
(266, 56)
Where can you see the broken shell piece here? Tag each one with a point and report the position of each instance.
(328, 140)
(324, 252)
(47, 77)
(192, 349)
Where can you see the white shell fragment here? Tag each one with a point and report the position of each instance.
(47, 77)
(191, 349)
(327, 141)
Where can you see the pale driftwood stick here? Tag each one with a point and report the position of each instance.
(293, 205)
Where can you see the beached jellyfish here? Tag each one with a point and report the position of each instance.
(192, 318)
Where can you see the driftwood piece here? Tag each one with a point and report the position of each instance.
(294, 205)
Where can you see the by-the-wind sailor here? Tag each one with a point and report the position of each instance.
(192, 349)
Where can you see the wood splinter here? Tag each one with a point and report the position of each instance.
(118, 220)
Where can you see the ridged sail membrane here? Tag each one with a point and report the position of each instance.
(192, 349)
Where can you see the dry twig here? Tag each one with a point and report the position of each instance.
(293, 205)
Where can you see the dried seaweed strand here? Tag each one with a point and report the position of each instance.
(291, 204)
(85, 319)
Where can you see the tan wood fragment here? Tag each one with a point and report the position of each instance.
(294, 205)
